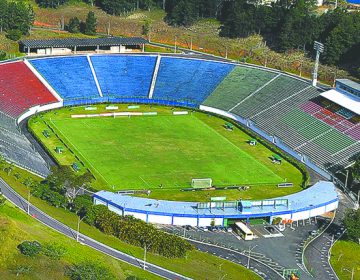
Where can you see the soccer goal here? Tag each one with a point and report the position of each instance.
(201, 183)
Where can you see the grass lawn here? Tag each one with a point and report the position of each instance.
(345, 257)
(16, 226)
(143, 152)
(195, 265)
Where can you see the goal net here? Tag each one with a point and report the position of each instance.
(201, 183)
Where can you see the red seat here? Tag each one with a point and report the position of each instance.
(20, 89)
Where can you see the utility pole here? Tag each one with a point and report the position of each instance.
(319, 47)
(145, 251)
(347, 176)
(78, 228)
(175, 44)
(28, 202)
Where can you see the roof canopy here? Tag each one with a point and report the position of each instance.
(349, 83)
(348, 101)
(91, 42)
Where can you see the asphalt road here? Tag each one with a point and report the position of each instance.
(318, 251)
(20, 202)
(261, 269)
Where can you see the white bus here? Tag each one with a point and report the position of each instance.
(242, 230)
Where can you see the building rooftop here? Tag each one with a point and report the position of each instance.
(88, 42)
(346, 100)
(319, 194)
(349, 83)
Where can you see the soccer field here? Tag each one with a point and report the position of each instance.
(149, 151)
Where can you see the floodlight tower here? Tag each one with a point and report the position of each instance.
(319, 47)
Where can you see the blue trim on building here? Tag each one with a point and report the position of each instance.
(238, 216)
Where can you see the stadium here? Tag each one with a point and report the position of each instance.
(99, 112)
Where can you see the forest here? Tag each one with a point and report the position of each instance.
(284, 25)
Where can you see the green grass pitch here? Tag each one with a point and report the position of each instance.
(147, 151)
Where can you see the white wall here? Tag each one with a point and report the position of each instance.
(317, 211)
(332, 206)
(183, 221)
(99, 202)
(137, 215)
(300, 215)
(116, 210)
(220, 112)
(158, 219)
(36, 109)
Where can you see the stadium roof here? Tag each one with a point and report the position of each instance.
(91, 42)
(348, 101)
(349, 83)
(321, 193)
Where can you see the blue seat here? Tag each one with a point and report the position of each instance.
(124, 76)
(71, 77)
(188, 80)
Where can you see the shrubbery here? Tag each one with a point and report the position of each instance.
(30, 248)
(89, 271)
(136, 232)
(60, 189)
(53, 250)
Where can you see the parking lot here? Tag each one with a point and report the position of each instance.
(278, 249)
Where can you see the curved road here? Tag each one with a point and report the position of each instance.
(20, 202)
(318, 250)
(264, 271)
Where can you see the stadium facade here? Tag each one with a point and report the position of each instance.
(317, 200)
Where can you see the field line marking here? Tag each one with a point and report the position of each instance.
(77, 151)
(238, 148)
(144, 181)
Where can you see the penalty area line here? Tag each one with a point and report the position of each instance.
(145, 182)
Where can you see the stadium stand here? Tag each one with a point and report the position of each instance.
(239, 84)
(20, 89)
(276, 91)
(276, 104)
(124, 76)
(16, 148)
(7, 123)
(71, 77)
(334, 115)
(188, 80)
(30, 161)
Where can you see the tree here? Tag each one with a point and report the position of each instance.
(50, 3)
(14, 34)
(74, 25)
(81, 204)
(89, 271)
(116, 7)
(30, 248)
(352, 224)
(146, 28)
(355, 169)
(184, 13)
(90, 24)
